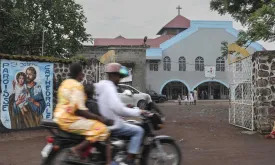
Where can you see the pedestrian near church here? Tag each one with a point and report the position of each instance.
(190, 98)
(179, 99)
(195, 96)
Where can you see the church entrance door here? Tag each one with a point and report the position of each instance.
(173, 89)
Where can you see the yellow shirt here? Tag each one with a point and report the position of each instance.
(71, 97)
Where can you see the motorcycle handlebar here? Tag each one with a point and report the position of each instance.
(150, 114)
(153, 107)
(147, 115)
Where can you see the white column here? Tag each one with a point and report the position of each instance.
(208, 91)
(221, 91)
(182, 90)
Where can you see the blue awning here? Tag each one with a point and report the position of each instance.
(154, 54)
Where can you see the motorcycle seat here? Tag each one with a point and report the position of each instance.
(69, 135)
(48, 123)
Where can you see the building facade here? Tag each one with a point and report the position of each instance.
(176, 60)
(133, 57)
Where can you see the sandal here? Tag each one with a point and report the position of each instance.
(270, 136)
(73, 156)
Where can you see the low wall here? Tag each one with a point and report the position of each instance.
(133, 57)
(264, 90)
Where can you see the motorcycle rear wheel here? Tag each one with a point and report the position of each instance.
(159, 158)
(59, 157)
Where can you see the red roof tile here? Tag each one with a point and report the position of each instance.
(121, 41)
(178, 22)
(117, 42)
(157, 41)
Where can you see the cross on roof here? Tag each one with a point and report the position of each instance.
(179, 8)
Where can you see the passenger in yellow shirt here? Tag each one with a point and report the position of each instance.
(72, 115)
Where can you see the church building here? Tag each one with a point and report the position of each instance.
(176, 59)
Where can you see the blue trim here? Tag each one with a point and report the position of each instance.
(214, 80)
(178, 38)
(178, 80)
(212, 24)
(195, 25)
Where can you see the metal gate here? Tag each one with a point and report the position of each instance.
(241, 111)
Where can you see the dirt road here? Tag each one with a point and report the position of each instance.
(202, 131)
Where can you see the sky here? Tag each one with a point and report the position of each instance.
(139, 18)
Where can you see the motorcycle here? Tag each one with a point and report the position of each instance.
(153, 149)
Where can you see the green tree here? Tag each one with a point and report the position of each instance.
(22, 23)
(257, 15)
(224, 49)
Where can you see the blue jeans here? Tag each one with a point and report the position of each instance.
(135, 132)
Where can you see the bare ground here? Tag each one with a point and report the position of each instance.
(202, 131)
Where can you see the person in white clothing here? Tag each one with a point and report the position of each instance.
(185, 99)
(111, 107)
(179, 99)
(195, 96)
(190, 98)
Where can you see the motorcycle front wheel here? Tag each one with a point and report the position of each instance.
(59, 157)
(164, 153)
(62, 157)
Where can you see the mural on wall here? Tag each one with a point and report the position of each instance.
(27, 93)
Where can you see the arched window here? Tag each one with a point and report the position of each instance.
(199, 64)
(220, 64)
(167, 63)
(153, 65)
(182, 64)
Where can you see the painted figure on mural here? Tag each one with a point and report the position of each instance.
(20, 90)
(28, 107)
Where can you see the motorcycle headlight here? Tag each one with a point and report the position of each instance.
(160, 126)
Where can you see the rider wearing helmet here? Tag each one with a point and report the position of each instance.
(111, 107)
